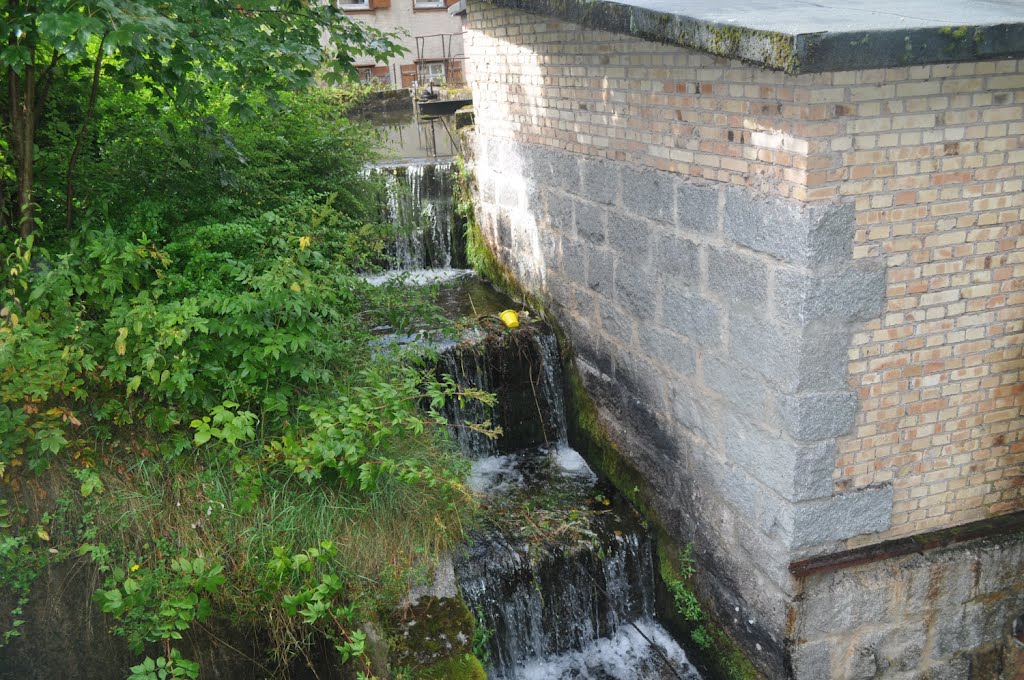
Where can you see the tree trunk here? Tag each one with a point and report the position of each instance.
(69, 190)
(21, 95)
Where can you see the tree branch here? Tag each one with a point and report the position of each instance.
(69, 188)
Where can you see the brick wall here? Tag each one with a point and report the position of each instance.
(797, 301)
(931, 159)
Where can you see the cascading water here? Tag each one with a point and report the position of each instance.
(563, 574)
(566, 590)
(419, 206)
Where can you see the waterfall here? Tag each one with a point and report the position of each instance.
(579, 605)
(575, 602)
(418, 204)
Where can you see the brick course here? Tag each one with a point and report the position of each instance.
(932, 161)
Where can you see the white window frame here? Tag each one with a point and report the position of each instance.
(428, 4)
(425, 76)
(356, 4)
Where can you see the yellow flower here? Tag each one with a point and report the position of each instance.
(135, 568)
(304, 242)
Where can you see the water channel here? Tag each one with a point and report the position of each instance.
(562, 576)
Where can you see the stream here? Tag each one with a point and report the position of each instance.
(562, 576)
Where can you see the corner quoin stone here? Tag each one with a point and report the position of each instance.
(822, 522)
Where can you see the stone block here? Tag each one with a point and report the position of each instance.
(737, 279)
(630, 238)
(773, 351)
(697, 207)
(787, 229)
(853, 293)
(812, 416)
(590, 221)
(601, 272)
(695, 412)
(1001, 565)
(851, 514)
(823, 359)
(650, 193)
(503, 229)
(616, 324)
(698, 318)
(902, 648)
(677, 259)
(600, 180)
(486, 188)
(812, 661)
(668, 348)
(958, 630)
(553, 168)
(839, 603)
(797, 472)
(743, 390)
(574, 261)
(558, 212)
(636, 291)
(831, 236)
(954, 669)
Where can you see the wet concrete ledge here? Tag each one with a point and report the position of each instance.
(993, 528)
(798, 36)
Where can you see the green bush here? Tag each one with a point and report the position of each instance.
(201, 358)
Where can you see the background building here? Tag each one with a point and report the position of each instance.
(431, 36)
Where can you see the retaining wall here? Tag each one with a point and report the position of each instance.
(798, 299)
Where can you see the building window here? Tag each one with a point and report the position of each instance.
(430, 71)
(428, 4)
(355, 4)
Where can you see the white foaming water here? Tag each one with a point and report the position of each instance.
(627, 655)
(494, 474)
(571, 463)
(417, 277)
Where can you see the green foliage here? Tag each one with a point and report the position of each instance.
(158, 603)
(200, 362)
(172, 666)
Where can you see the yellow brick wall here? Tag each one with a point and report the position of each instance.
(933, 160)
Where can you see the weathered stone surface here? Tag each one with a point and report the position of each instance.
(696, 412)
(559, 211)
(590, 221)
(695, 317)
(553, 168)
(738, 279)
(600, 180)
(839, 603)
(851, 514)
(630, 237)
(649, 193)
(743, 390)
(574, 261)
(601, 272)
(697, 206)
(617, 324)
(797, 472)
(812, 661)
(669, 348)
(770, 349)
(957, 630)
(636, 290)
(839, 295)
(677, 259)
(787, 229)
(811, 416)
